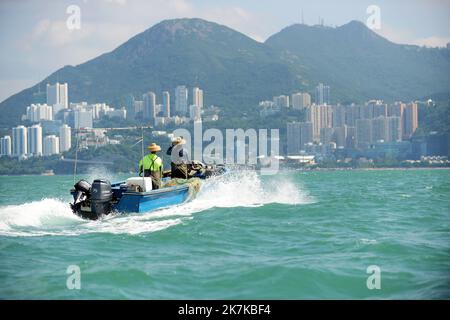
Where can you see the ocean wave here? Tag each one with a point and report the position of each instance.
(50, 216)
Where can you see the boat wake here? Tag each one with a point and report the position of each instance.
(51, 216)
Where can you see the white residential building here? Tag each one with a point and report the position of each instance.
(35, 140)
(181, 100)
(116, 113)
(83, 119)
(321, 116)
(65, 139)
(5, 146)
(301, 100)
(149, 105)
(38, 112)
(322, 94)
(166, 104)
(98, 109)
(281, 101)
(138, 106)
(197, 97)
(51, 145)
(58, 94)
(19, 141)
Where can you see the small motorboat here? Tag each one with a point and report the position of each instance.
(135, 195)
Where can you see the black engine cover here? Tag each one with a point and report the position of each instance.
(101, 196)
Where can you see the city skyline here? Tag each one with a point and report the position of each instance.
(362, 125)
(51, 122)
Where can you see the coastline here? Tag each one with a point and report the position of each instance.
(282, 168)
(379, 169)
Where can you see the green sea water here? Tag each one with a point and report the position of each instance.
(296, 235)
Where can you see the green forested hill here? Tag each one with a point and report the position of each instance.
(236, 72)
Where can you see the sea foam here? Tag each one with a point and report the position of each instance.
(237, 189)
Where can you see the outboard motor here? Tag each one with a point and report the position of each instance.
(82, 189)
(101, 196)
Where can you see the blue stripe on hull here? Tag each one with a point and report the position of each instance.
(148, 201)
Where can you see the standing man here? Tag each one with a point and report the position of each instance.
(152, 166)
(179, 159)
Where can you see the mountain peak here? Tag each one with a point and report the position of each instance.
(359, 31)
(186, 26)
(235, 70)
(355, 24)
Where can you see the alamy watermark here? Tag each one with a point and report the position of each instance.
(250, 147)
(374, 20)
(73, 22)
(374, 280)
(73, 281)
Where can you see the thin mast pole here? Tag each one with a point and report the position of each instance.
(142, 151)
(76, 155)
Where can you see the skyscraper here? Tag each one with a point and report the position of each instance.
(380, 109)
(396, 110)
(394, 129)
(281, 102)
(367, 111)
(293, 138)
(83, 119)
(35, 140)
(5, 146)
(181, 100)
(321, 116)
(326, 135)
(298, 135)
(138, 107)
(410, 120)
(149, 106)
(379, 129)
(58, 94)
(322, 94)
(65, 139)
(51, 145)
(166, 104)
(197, 97)
(301, 100)
(338, 116)
(19, 141)
(129, 106)
(352, 113)
(363, 133)
(38, 112)
(340, 135)
(350, 138)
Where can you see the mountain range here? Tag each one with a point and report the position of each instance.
(236, 72)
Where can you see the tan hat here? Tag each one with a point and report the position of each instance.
(154, 147)
(178, 140)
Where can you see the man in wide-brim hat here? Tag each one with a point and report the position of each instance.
(152, 165)
(179, 158)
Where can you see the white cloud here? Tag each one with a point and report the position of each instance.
(397, 35)
(180, 6)
(120, 2)
(433, 41)
(41, 27)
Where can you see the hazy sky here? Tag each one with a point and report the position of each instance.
(36, 41)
